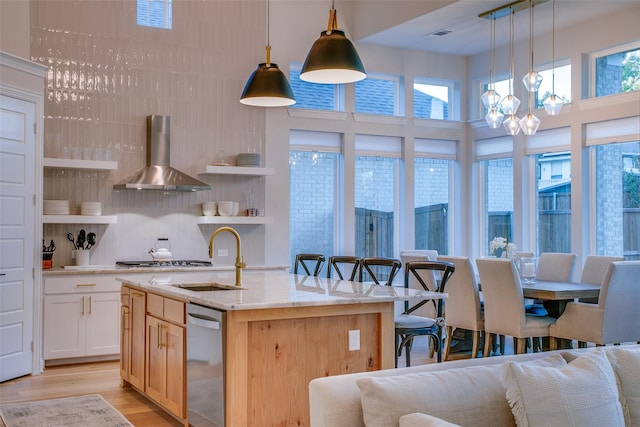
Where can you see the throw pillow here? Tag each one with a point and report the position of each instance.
(626, 365)
(471, 395)
(582, 393)
(418, 419)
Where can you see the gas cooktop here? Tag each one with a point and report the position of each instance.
(172, 263)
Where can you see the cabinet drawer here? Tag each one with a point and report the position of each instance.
(174, 311)
(155, 305)
(166, 308)
(81, 283)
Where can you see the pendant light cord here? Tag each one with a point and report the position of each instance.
(553, 46)
(530, 97)
(268, 61)
(512, 69)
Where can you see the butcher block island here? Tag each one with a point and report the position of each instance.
(279, 331)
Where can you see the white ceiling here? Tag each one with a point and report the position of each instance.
(470, 34)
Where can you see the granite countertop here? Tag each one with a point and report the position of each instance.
(271, 289)
(116, 269)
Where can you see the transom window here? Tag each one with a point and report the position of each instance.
(154, 13)
(314, 95)
(432, 99)
(616, 70)
(379, 94)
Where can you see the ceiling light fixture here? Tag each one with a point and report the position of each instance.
(491, 98)
(267, 86)
(553, 104)
(529, 123)
(510, 103)
(332, 59)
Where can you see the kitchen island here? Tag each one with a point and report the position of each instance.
(280, 331)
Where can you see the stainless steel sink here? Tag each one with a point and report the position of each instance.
(206, 287)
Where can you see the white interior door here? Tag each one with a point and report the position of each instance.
(17, 217)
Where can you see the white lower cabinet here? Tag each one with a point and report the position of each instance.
(81, 316)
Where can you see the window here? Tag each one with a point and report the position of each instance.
(617, 192)
(433, 163)
(498, 199)
(616, 70)
(378, 95)
(432, 99)
(313, 200)
(553, 189)
(154, 13)
(314, 95)
(376, 186)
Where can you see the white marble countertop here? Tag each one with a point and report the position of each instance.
(116, 269)
(271, 289)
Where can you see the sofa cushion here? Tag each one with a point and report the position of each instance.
(438, 393)
(419, 419)
(582, 393)
(626, 365)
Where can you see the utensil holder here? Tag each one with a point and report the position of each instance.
(81, 256)
(47, 260)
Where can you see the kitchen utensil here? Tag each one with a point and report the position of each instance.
(91, 240)
(72, 240)
(82, 237)
(52, 246)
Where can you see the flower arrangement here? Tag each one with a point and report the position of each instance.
(501, 248)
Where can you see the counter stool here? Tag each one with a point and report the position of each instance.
(334, 264)
(302, 259)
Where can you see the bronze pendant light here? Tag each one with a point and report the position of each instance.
(332, 59)
(267, 86)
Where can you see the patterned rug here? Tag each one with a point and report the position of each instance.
(82, 411)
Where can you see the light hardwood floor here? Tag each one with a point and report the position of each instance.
(90, 378)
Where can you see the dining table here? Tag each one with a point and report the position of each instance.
(556, 295)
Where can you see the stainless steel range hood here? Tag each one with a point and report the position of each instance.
(158, 174)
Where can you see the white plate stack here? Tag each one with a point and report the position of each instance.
(91, 208)
(209, 208)
(226, 208)
(248, 159)
(55, 207)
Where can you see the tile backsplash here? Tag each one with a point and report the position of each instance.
(106, 74)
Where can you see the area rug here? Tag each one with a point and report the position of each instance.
(82, 411)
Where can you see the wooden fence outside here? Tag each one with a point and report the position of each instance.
(431, 225)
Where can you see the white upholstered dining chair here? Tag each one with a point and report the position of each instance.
(504, 311)
(463, 309)
(614, 319)
(556, 266)
(595, 267)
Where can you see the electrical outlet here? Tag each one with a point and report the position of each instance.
(354, 340)
(223, 252)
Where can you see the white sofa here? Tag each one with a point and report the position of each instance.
(489, 391)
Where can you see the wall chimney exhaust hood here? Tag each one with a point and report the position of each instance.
(158, 174)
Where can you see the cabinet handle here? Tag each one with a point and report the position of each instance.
(80, 285)
(137, 294)
(90, 304)
(82, 306)
(159, 337)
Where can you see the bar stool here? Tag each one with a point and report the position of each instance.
(408, 326)
(302, 259)
(334, 264)
(390, 266)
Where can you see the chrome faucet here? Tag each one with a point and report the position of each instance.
(239, 262)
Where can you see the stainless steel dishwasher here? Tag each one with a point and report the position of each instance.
(205, 366)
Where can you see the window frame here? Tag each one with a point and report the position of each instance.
(453, 94)
(398, 98)
(592, 68)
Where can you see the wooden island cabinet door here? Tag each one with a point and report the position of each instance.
(137, 317)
